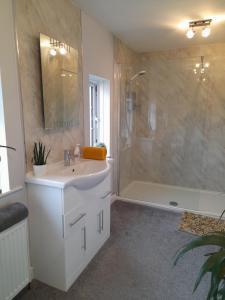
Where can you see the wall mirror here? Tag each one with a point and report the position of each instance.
(59, 64)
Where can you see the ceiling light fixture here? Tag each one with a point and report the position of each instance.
(199, 23)
(190, 33)
(60, 46)
(200, 69)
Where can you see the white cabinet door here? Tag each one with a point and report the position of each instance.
(75, 249)
(103, 216)
(98, 225)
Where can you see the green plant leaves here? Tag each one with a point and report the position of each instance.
(221, 215)
(208, 266)
(215, 263)
(221, 292)
(39, 157)
(206, 240)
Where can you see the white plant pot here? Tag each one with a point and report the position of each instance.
(39, 170)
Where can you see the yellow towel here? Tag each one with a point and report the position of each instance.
(94, 153)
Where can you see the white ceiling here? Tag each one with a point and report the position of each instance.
(146, 25)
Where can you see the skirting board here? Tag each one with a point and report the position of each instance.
(113, 198)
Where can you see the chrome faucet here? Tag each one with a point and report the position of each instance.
(67, 157)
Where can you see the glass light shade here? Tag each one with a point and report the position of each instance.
(190, 33)
(206, 32)
(62, 50)
(52, 52)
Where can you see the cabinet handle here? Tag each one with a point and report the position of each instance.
(99, 223)
(85, 240)
(106, 195)
(102, 219)
(77, 220)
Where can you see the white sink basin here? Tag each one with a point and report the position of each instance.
(83, 175)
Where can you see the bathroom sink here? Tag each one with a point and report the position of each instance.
(85, 167)
(82, 175)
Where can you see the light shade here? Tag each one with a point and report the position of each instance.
(62, 50)
(206, 32)
(52, 52)
(190, 33)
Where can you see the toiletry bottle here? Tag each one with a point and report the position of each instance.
(77, 153)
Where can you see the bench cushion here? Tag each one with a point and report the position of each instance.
(11, 215)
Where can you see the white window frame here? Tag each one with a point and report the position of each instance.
(94, 113)
(99, 131)
(4, 169)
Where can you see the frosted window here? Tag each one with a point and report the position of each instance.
(99, 103)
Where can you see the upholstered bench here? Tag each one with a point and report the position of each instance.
(12, 214)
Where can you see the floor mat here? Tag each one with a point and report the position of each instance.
(200, 225)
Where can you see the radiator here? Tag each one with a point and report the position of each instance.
(14, 260)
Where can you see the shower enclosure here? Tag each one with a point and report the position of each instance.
(172, 129)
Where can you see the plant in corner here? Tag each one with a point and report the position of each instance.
(39, 159)
(214, 264)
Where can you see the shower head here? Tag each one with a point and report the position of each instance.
(143, 72)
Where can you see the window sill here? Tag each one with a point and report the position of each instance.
(13, 191)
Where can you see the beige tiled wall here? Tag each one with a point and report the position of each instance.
(178, 131)
(187, 146)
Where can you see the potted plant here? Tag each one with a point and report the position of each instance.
(214, 264)
(39, 159)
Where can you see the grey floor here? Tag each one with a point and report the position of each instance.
(136, 262)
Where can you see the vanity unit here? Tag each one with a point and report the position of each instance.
(69, 219)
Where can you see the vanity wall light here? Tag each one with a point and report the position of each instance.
(193, 25)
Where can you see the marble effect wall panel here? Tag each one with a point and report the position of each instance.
(123, 55)
(61, 20)
(179, 130)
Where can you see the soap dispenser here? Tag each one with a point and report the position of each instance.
(77, 153)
